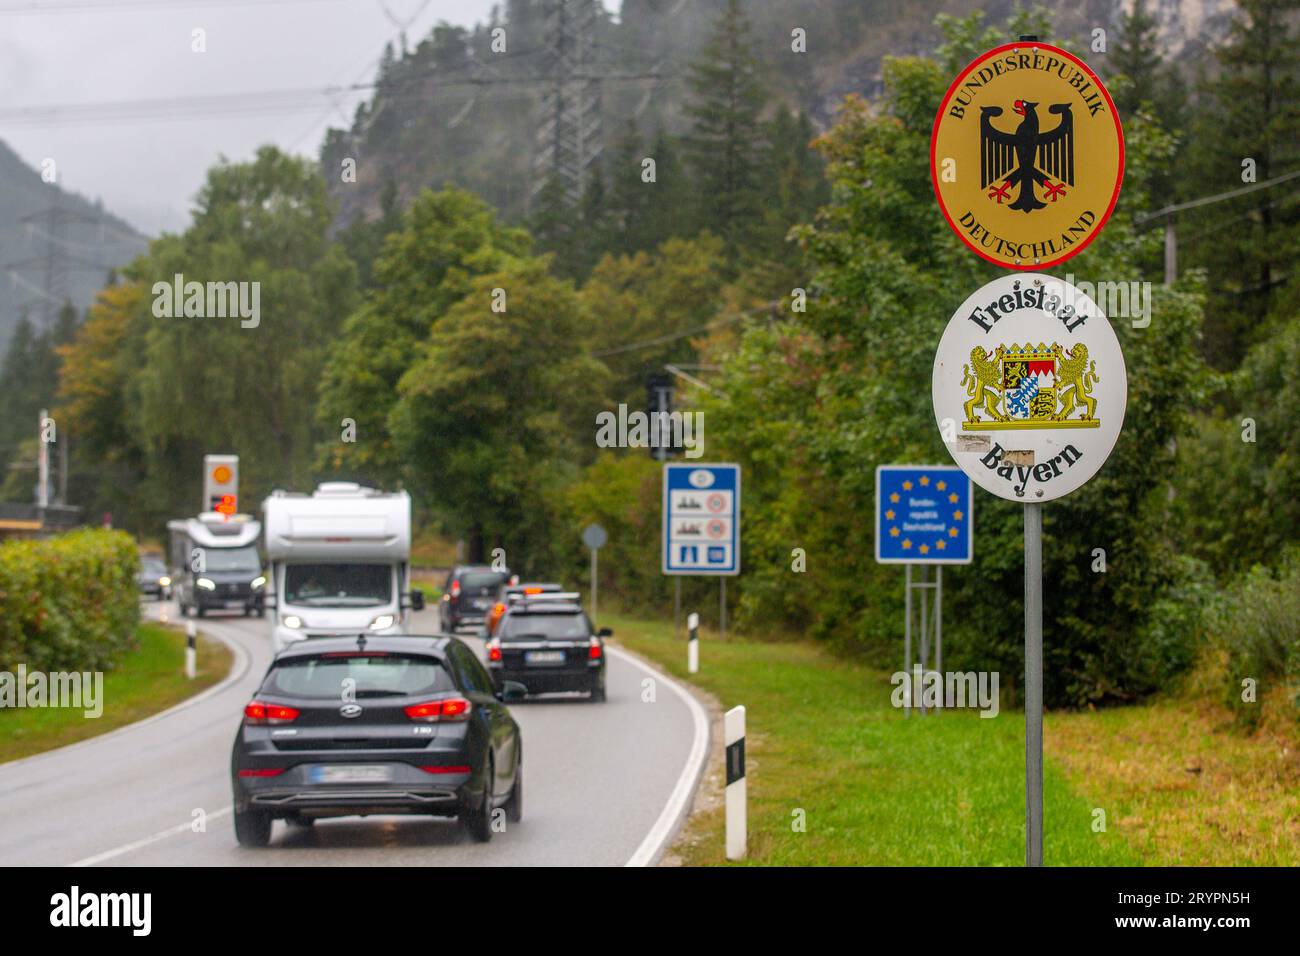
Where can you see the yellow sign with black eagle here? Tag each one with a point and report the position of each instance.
(1027, 155)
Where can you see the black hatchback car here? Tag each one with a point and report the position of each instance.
(468, 595)
(547, 644)
(355, 726)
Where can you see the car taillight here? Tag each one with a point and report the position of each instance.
(260, 713)
(268, 772)
(455, 588)
(433, 711)
(456, 768)
(594, 651)
(494, 650)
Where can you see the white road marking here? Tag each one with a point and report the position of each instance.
(651, 847)
(674, 810)
(141, 844)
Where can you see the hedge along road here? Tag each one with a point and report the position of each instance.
(606, 784)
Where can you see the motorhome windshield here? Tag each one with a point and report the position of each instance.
(338, 585)
(232, 559)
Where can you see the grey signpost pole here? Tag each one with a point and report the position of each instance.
(722, 605)
(677, 606)
(907, 642)
(925, 631)
(594, 537)
(1033, 685)
(594, 586)
(938, 622)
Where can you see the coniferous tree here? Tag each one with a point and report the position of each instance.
(724, 146)
(1249, 126)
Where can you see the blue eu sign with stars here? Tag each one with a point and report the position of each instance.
(924, 515)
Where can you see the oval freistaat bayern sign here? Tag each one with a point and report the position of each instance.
(1029, 387)
(1027, 155)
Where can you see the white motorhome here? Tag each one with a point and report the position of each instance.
(340, 562)
(215, 565)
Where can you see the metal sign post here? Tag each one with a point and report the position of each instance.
(1030, 391)
(907, 642)
(594, 537)
(1033, 684)
(722, 606)
(924, 515)
(701, 528)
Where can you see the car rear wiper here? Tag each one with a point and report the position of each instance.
(381, 693)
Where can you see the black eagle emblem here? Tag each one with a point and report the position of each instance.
(1027, 157)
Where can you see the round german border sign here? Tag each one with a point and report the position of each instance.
(1027, 155)
(1029, 387)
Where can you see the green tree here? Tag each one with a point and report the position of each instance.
(446, 240)
(811, 406)
(725, 143)
(1249, 116)
(150, 392)
(498, 412)
(659, 298)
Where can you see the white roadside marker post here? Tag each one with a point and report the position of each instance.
(693, 644)
(190, 657)
(734, 736)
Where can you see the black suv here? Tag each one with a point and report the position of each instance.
(547, 644)
(468, 595)
(419, 730)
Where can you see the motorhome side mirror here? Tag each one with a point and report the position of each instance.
(605, 632)
(417, 600)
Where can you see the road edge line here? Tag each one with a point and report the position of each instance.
(675, 811)
(238, 669)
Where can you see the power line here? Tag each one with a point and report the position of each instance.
(265, 102)
(1206, 200)
(29, 7)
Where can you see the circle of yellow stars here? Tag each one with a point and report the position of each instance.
(923, 481)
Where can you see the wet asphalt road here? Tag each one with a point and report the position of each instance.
(604, 784)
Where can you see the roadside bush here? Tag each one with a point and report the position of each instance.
(1258, 624)
(68, 603)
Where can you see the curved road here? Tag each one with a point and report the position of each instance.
(606, 784)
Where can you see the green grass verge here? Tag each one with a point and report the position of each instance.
(148, 679)
(872, 788)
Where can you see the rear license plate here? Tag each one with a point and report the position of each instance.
(543, 657)
(350, 774)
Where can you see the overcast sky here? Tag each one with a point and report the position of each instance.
(71, 52)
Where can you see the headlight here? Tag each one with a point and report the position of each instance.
(259, 581)
(206, 584)
(381, 622)
(292, 621)
(165, 581)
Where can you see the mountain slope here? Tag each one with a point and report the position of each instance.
(65, 235)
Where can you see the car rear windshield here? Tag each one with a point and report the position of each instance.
(560, 626)
(370, 676)
(480, 580)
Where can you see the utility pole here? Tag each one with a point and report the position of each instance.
(42, 462)
(569, 138)
(1167, 214)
